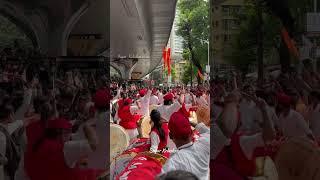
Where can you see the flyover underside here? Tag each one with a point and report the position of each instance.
(140, 29)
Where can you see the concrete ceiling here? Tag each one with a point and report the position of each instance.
(140, 29)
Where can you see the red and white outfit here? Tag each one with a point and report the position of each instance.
(235, 158)
(194, 156)
(158, 144)
(293, 125)
(154, 100)
(144, 101)
(128, 119)
(58, 163)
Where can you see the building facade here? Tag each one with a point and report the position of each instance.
(224, 26)
(176, 42)
(180, 68)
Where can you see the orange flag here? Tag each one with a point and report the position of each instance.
(289, 42)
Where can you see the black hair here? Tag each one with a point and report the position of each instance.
(167, 102)
(5, 111)
(178, 175)
(316, 94)
(156, 118)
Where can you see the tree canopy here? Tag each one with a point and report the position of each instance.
(193, 26)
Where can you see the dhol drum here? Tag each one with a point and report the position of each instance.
(203, 114)
(145, 127)
(193, 117)
(298, 159)
(139, 145)
(119, 140)
(266, 169)
(144, 166)
(120, 162)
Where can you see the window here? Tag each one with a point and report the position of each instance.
(217, 23)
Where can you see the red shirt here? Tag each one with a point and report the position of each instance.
(48, 163)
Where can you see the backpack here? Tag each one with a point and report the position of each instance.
(13, 153)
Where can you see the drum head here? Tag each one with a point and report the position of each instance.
(146, 127)
(120, 163)
(193, 117)
(203, 114)
(270, 170)
(119, 140)
(298, 159)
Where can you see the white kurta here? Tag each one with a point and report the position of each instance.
(167, 111)
(249, 117)
(155, 140)
(293, 125)
(145, 101)
(192, 157)
(99, 158)
(160, 96)
(154, 100)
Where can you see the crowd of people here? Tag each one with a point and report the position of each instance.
(172, 133)
(51, 125)
(253, 121)
(55, 124)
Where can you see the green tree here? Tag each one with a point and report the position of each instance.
(243, 49)
(193, 27)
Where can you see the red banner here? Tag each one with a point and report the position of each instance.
(169, 60)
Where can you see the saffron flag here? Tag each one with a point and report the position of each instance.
(164, 57)
(289, 42)
(200, 74)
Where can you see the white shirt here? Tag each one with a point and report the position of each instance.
(167, 111)
(160, 95)
(247, 143)
(145, 101)
(294, 125)
(154, 100)
(19, 114)
(315, 122)
(188, 98)
(155, 140)
(99, 158)
(192, 157)
(248, 116)
(75, 150)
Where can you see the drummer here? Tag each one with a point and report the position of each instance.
(144, 102)
(190, 156)
(169, 107)
(159, 132)
(242, 148)
(129, 117)
(154, 100)
(292, 124)
(59, 155)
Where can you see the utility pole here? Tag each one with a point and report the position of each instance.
(260, 45)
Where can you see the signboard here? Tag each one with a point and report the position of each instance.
(313, 22)
(208, 69)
